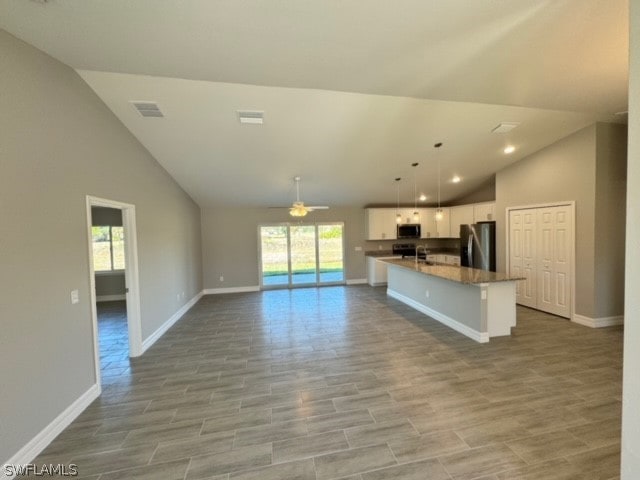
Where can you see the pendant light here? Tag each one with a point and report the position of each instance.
(416, 215)
(439, 213)
(398, 216)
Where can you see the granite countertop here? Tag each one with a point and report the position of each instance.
(432, 251)
(381, 253)
(454, 273)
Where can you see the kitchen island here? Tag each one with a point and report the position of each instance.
(477, 303)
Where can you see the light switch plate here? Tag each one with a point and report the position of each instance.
(75, 297)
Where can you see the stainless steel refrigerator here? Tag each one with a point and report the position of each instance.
(478, 245)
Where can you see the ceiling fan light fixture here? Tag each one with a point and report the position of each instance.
(298, 210)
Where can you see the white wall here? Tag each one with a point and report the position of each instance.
(58, 144)
(631, 378)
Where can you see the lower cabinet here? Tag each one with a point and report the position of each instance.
(444, 259)
(377, 271)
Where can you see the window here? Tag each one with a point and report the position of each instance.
(108, 248)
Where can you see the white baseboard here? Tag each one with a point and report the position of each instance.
(38, 443)
(153, 338)
(598, 322)
(110, 298)
(481, 337)
(216, 291)
(357, 281)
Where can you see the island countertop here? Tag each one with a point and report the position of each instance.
(465, 275)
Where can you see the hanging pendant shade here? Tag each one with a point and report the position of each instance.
(416, 215)
(439, 212)
(398, 216)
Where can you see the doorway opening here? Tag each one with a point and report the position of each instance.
(115, 307)
(301, 255)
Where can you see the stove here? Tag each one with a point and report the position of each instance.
(404, 249)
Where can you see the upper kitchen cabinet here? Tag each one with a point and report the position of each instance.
(406, 215)
(380, 223)
(444, 226)
(461, 215)
(483, 212)
(428, 228)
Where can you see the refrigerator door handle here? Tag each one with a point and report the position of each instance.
(470, 250)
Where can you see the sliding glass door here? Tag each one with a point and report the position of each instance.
(301, 255)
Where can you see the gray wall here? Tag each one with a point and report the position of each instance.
(230, 242)
(566, 170)
(59, 143)
(484, 193)
(631, 380)
(611, 190)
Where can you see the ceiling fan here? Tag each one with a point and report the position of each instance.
(299, 209)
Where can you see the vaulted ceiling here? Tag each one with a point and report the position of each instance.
(353, 91)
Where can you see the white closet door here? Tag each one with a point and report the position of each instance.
(515, 250)
(554, 292)
(522, 254)
(529, 255)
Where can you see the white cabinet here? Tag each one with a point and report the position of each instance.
(443, 226)
(377, 271)
(380, 223)
(452, 260)
(484, 212)
(406, 215)
(428, 228)
(461, 215)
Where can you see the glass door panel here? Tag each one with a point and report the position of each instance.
(330, 253)
(275, 255)
(303, 254)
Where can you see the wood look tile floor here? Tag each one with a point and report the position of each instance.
(346, 383)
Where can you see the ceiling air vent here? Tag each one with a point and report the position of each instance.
(254, 117)
(148, 109)
(505, 127)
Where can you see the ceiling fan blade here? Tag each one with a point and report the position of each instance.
(318, 207)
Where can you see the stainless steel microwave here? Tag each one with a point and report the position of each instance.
(408, 230)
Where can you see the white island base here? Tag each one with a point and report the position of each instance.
(478, 310)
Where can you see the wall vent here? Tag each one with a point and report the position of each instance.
(255, 117)
(505, 127)
(148, 109)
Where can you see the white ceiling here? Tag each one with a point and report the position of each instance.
(353, 91)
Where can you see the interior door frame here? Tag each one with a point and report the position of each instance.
(131, 275)
(289, 283)
(572, 242)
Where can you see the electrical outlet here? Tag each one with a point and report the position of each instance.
(427, 294)
(379, 247)
(75, 297)
(222, 278)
